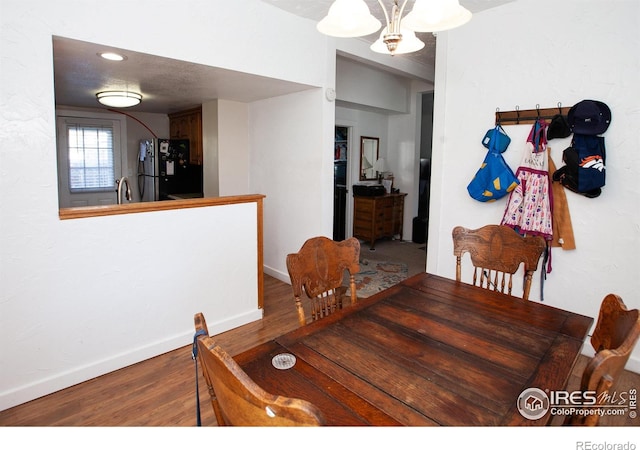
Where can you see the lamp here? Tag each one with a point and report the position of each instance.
(119, 99)
(352, 18)
(379, 166)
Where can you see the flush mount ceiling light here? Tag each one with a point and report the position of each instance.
(111, 56)
(352, 18)
(119, 99)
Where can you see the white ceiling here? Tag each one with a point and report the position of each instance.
(80, 73)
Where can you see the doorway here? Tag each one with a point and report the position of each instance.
(89, 156)
(340, 191)
(421, 221)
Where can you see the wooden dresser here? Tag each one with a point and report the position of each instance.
(378, 217)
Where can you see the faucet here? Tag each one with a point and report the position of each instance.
(119, 183)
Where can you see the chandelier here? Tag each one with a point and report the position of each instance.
(352, 18)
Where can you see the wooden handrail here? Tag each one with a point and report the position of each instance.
(165, 205)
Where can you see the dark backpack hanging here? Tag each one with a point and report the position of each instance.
(584, 171)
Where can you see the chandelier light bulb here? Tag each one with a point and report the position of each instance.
(349, 18)
(436, 15)
(387, 44)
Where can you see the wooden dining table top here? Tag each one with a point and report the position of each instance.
(427, 351)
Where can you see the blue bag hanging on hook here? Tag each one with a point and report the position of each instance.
(494, 179)
(498, 137)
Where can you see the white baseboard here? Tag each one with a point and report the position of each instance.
(633, 365)
(282, 276)
(76, 375)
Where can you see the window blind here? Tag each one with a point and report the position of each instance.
(91, 159)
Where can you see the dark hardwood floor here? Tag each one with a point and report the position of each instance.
(161, 390)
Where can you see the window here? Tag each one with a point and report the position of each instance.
(91, 160)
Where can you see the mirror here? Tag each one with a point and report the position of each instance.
(368, 157)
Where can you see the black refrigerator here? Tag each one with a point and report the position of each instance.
(164, 171)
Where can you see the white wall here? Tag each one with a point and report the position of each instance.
(83, 297)
(543, 52)
(290, 165)
(403, 154)
(233, 147)
(361, 84)
(210, 149)
(225, 143)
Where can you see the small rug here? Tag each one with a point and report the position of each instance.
(376, 276)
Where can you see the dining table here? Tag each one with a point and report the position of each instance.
(427, 351)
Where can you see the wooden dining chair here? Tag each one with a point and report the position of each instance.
(237, 399)
(613, 339)
(318, 269)
(497, 252)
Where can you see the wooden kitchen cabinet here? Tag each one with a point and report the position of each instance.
(188, 125)
(378, 217)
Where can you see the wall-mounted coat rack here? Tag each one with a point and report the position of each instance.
(529, 116)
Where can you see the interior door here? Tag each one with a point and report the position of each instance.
(106, 194)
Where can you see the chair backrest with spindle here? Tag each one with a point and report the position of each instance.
(613, 339)
(237, 399)
(318, 269)
(497, 252)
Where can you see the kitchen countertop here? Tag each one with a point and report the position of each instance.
(185, 196)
